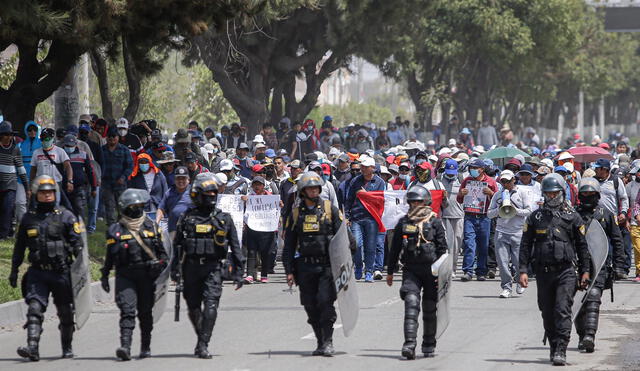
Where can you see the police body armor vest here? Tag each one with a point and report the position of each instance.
(46, 241)
(417, 243)
(205, 237)
(553, 244)
(127, 251)
(315, 228)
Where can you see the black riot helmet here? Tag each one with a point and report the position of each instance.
(132, 202)
(203, 183)
(553, 183)
(589, 185)
(419, 193)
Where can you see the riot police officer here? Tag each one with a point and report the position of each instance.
(52, 235)
(136, 250)
(202, 238)
(308, 232)
(421, 239)
(553, 238)
(587, 319)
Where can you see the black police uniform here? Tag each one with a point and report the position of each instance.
(201, 242)
(587, 319)
(137, 268)
(306, 255)
(53, 239)
(552, 239)
(419, 247)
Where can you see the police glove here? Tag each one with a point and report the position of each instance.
(104, 282)
(13, 279)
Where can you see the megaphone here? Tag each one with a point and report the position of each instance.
(506, 210)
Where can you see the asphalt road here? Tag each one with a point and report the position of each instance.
(263, 327)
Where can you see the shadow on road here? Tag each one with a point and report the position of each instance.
(301, 353)
(540, 361)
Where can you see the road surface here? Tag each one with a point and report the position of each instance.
(262, 327)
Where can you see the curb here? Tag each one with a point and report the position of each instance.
(14, 313)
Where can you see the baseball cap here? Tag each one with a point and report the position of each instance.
(226, 165)
(569, 167)
(159, 146)
(565, 156)
(222, 178)
(260, 145)
(603, 163)
(70, 140)
(558, 169)
(367, 161)
(343, 157)
(507, 174)
(84, 126)
(395, 168)
(190, 157)
(543, 170)
(156, 133)
(259, 179)
(181, 171)
(477, 163)
(295, 164)
(326, 169)
(122, 123)
(257, 168)
(526, 168)
(384, 170)
(328, 118)
(424, 165)
(167, 157)
(270, 153)
(243, 146)
(314, 165)
(451, 167)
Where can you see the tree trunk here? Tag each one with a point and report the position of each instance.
(133, 81)
(66, 101)
(99, 66)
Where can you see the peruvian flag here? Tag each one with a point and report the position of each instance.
(387, 207)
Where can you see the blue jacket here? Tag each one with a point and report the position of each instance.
(174, 204)
(354, 210)
(29, 145)
(118, 164)
(156, 192)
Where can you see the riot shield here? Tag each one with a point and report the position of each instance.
(598, 244)
(442, 269)
(81, 279)
(344, 280)
(162, 282)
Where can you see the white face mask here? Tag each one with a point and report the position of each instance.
(122, 132)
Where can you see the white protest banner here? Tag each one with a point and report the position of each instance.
(475, 200)
(262, 213)
(233, 205)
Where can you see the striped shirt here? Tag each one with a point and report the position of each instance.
(11, 168)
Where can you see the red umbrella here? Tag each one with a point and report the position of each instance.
(589, 154)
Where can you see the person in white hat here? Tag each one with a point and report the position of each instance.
(508, 230)
(385, 174)
(236, 184)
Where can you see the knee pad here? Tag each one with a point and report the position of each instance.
(35, 311)
(65, 314)
(210, 309)
(411, 306)
(594, 294)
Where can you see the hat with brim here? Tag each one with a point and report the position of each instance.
(259, 179)
(167, 157)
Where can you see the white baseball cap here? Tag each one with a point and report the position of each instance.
(122, 123)
(221, 178)
(226, 165)
(384, 170)
(507, 174)
(367, 161)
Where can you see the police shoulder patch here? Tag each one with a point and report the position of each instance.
(111, 241)
(78, 227)
(33, 232)
(583, 230)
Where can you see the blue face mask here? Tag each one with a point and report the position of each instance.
(144, 167)
(325, 177)
(474, 173)
(69, 150)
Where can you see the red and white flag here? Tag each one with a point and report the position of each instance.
(387, 207)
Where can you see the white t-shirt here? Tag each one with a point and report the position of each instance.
(44, 167)
(149, 176)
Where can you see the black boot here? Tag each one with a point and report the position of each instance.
(327, 340)
(31, 352)
(580, 342)
(411, 311)
(560, 355)
(124, 352)
(317, 330)
(552, 350)
(145, 345)
(430, 323)
(206, 328)
(588, 343)
(66, 337)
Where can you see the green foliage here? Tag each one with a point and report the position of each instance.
(207, 105)
(358, 113)
(8, 69)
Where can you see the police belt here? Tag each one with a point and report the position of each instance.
(202, 261)
(553, 268)
(56, 268)
(314, 259)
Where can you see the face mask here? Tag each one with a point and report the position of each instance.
(47, 143)
(637, 179)
(589, 202)
(144, 167)
(122, 132)
(260, 156)
(403, 176)
(355, 173)
(325, 177)
(208, 202)
(423, 176)
(474, 173)
(69, 150)
(134, 212)
(216, 149)
(46, 207)
(553, 202)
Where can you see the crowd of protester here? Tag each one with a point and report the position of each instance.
(94, 161)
